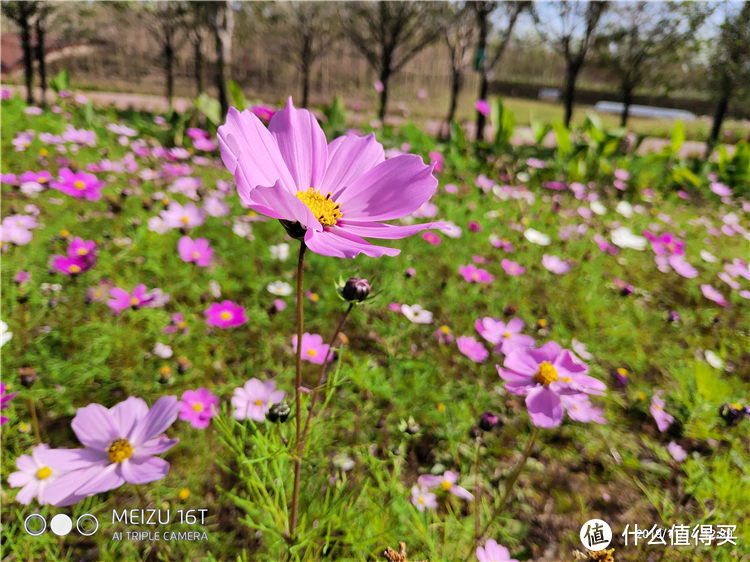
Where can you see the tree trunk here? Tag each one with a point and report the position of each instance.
(28, 62)
(221, 80)
(484, 88)
(385, 75)
(169, 70)
(306, 56)
(627, 100)
(719, 114)
(456, 83)
(571, 75)
(198, 63)
(482, 16)
(40, 58)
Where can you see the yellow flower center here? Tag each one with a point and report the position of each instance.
(322, 206)
(474, 276)
(506, 335)
(75, 269)
(43, 152)
(78, 184)
(312, 352)
(183, 494)
(165, 370)
(165, 201)
(82, 251)
(258, 402)
(542, 322)
(226, 315)
(44, 472)
(42, 179)
(120, 450)
(64, 233)
(736, 406)
(134, 301)
(420, 499)
(198, 407)
(445, 485)
(196, 255)
(445, 329)
(181, 325)
(622, 372)
(641, 396)
(314, 297)
(441, 407)
(184, 220)
(546, 374)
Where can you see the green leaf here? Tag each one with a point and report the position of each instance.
(60, 82)
(709, 385)
(236, 96)
(209, 107)
(678, 136)
(562, 134)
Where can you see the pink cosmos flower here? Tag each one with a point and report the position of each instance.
(22, 277)
(502, 243)
(80, 185)
(444, 335)
(432, 238)
(313, 348)
(555, 265)
(605, 246)
(505, 337)
(4, 399)
(263, 112)
(579, 408)
(198, 407)
(423, 499)
(177, 324)
(446, 482)
(483, 107)
(225, 314)
(663, 419)
(536, 163)
(37, 475)
(720, 189)
(185, 217)
(121, 443)
(678, 453)
(81, 257)
(121, 299)
(198, 251)
(472, 349)
(17, 229)
(473, 274)
(254, 399)
(665, 244)
(493, 552)
(512, 268)
(79, 136)
(543, 375)
(436, 159)
(714, 295)
(333, 194)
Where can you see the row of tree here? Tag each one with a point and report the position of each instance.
(630, 39)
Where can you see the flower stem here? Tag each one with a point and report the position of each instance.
(297, 398)
(508, 489)
(477, 490)
(34, 420)
(322, 375)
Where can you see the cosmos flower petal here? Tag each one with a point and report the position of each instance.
(280, 204)
(95, 427)
(545, 408)
(349, 157)
(302, 144)
(384, 230)
(93, 480)
(127, 413)
(161, 415)
(338, 243)
(390, 190)
(141, 471)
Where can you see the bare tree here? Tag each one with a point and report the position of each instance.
(459, 36)
(41, 21)
(490, 49)
(638, 35)
(221, 19)
(23, 14)
(730, 65)
(196, 24)
(390, 34)
(571, 33)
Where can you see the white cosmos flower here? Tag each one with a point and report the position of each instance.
(280, 251)
(242, 229)
(416, 314)
(451, 229)
(708, 256)
(714, 360)
(162, 350)
(5, 334)
(214, 288)
(625, 209)
(598, 208)
(279, 288)
(536, 237)
(622, 237)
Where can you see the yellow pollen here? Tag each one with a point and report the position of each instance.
(312, 352)
(322, 206)
(445, 329)
(546, 374)
(542, 322)
(97, 294)
(506, 335)
(75, 268)
(165, 370)
(622, 372)
(251, 214)
(183, 494)
(44, 472)
(736, 406)
(78, 184)
(184, 220)
(43, 152)
(133, 301)
(258, 402)
(445, 485)
(120, 450)
(314, 297)
(82, 251)
(225, 315)
(197, 407)
(641, 396)
(181, 325)
(196, 255)
(420, 499)
(441, 407)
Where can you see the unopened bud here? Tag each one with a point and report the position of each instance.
(278, 413)
(488, 420)
(356, 289)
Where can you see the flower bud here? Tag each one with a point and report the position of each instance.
(279, 412)
(733, 413)
(356, 289)
(488, 420)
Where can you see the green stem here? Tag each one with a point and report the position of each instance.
(297, 398)
(508, 489)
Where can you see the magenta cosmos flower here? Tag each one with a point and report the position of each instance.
(505, 337)
(493, 552)
(37, 477)
(474, 274)
(121, 299)
(555, 264)
(446, 482)
(512, 268)
(198, 407)
(543, 375)
(81, 257)
(333, 194)
(80, 185)
(472, 349)
(198, 251)
(4, 399)
(121, 444)
(225, 314)
(663, 419)
(313, 348)
(254, 399)
(713, 294)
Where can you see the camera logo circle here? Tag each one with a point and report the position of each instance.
(35, 524)
(596, 534)
(34, 532)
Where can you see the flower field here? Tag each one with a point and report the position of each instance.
(302, 341)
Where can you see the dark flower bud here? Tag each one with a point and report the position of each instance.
(488, 420)
(356, 289)
(278, 413)
(28, 376)
(733, 413)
